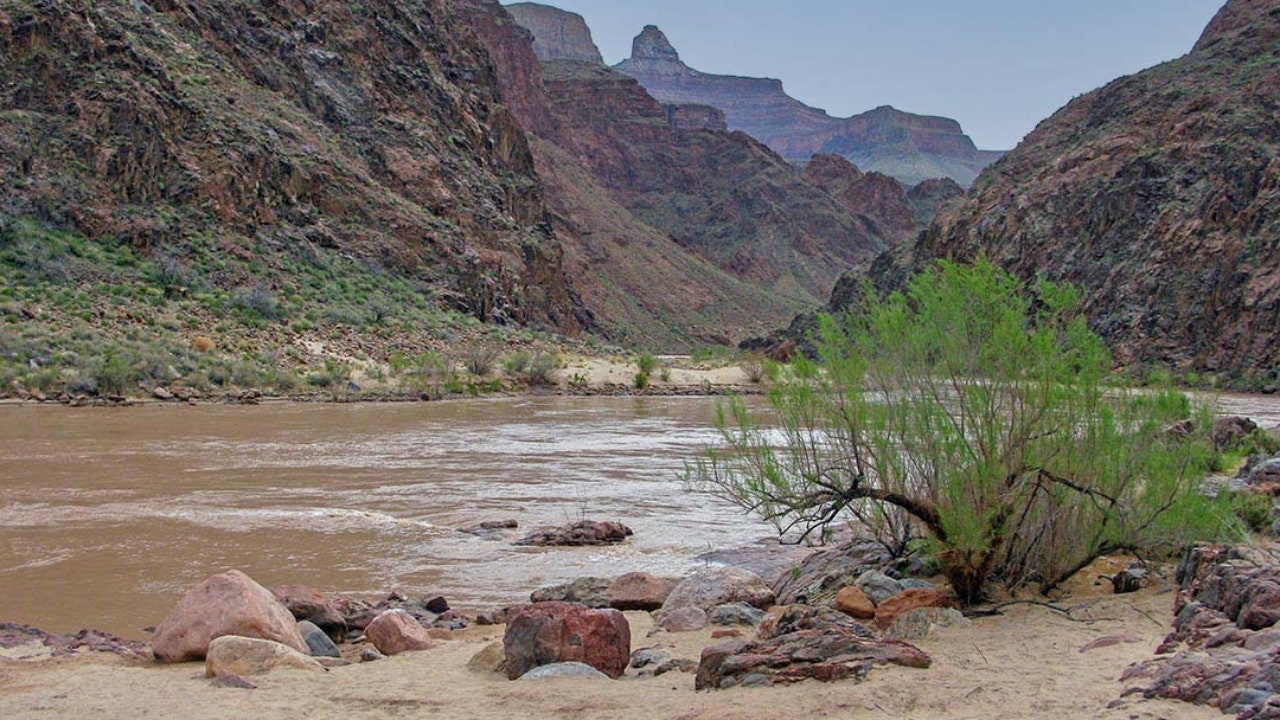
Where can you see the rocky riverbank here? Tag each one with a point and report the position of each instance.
(872, 635)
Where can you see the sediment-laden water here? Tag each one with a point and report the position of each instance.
(106, 516)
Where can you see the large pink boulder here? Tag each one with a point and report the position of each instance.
(396, 631)
(226, 604)
(554, 632)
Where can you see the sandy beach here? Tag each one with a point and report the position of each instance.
(1024, 663)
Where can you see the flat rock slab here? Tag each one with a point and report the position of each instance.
(826, 655)
(567, 669)
(243, 657)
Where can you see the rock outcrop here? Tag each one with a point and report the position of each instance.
(578, 534)
(1159, 195)
(910, 148)
(1224, 650)
(557, 34)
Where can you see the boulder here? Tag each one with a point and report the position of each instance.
(1228, 432)
(548, 633)
(584, 532)
(1128, 581)
(819, 577)
(639, 591)
(718, 586)
(590, 591)
(915, 598)
(853, 602)
(488, 660)
(1261, 607)
(564, 669)
(645, 657)
(794, 618)
(919, 623)
(396, 631)
(735, 614)
(318, 641)
(831, 654)
(232, 655)
(685, 619)
(226, 604)
(877, 586)
(311, 605)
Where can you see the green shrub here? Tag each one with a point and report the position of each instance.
(982, 415)
(1253, 509)
(541, 365)
(480, 359)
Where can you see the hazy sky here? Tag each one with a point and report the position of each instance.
(997, 66)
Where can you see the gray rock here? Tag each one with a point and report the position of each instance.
(877, 586)
(820, 577)
(645, 657)
(684, 665)
(566, 669)
(918, 624)
(590, 591)
(318, 641)
(909, 583)
(735, 614)
(717, 586)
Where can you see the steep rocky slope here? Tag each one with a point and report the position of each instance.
(724, 196)
(239, 140)
(1159, 194)
(873, 194)
(911, 148)
(673, 225)
(644, 287)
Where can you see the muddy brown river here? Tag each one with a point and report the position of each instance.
(107, 516)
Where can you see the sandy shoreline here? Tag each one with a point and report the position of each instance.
(1025, 663)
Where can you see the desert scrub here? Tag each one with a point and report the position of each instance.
(981, 415)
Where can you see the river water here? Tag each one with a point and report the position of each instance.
(107, 516)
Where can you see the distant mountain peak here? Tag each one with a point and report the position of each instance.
(652, 44)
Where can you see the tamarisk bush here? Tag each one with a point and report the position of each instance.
(981, 414)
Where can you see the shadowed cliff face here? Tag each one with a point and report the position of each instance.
(277, 125)
(910, 148)
(1159, 194)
